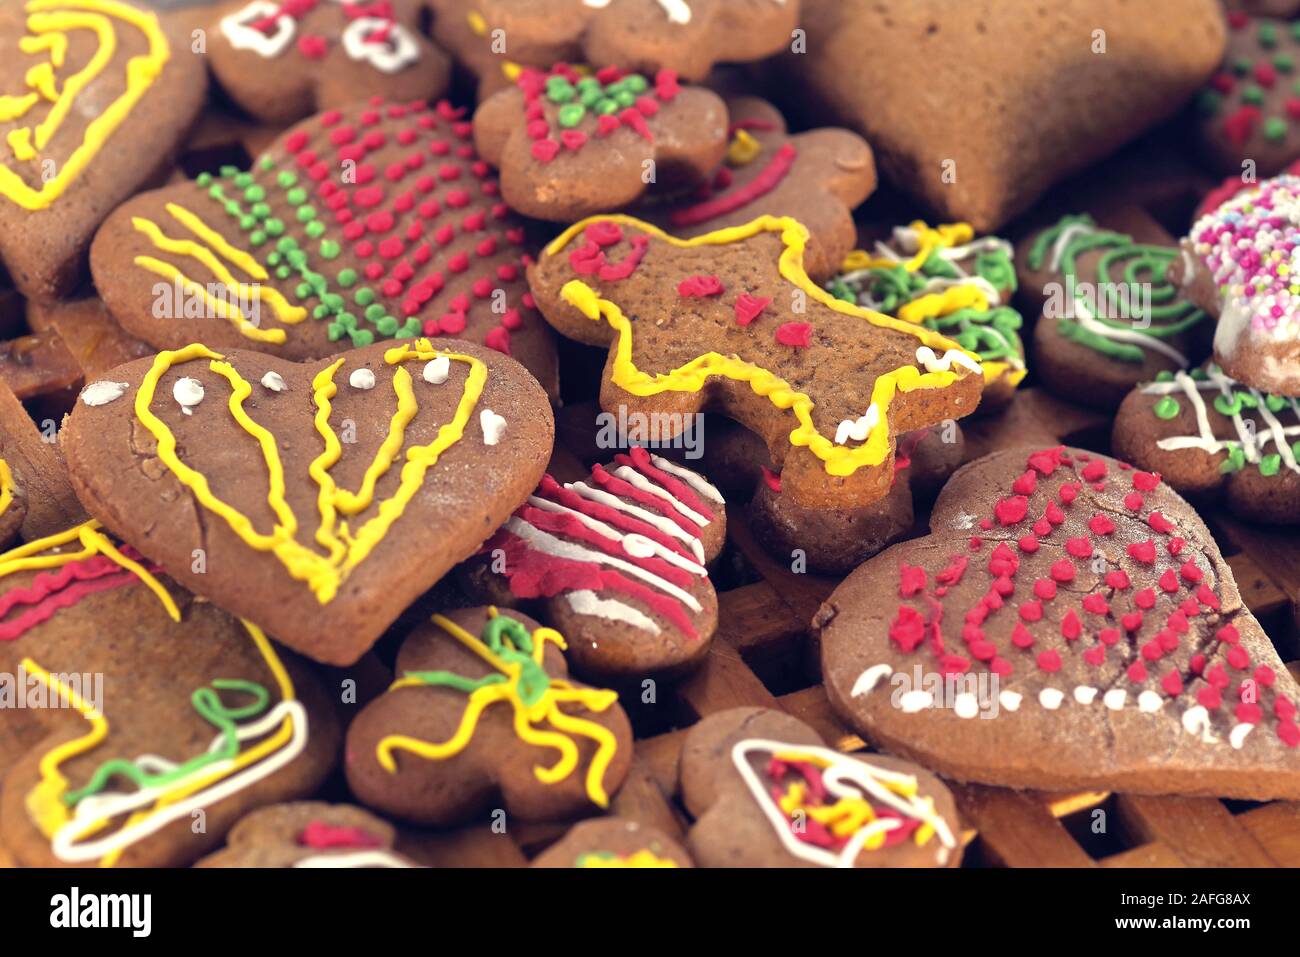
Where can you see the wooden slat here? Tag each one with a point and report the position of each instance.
(802, 593)
(813, 708)
(1275, 552)
(641, 799)
(1258, 590)
(1147, 855)
(1017, 830)
(723, 681)
(754, 617)
(1035, 418)
(1201, 831)
(1276, 827)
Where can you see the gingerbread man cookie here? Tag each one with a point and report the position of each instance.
(309, 834)
(618, 563)
(730, 320)
(361, 225)
(281, 60)
(296, 495)
(95, 97)
(1209, 436)
(483, 716)
(1068, 623)
(571, 144)
(765, 791)
(144, 710)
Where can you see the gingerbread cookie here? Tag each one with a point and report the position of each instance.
(1238, 266)
(152, 720)
(569, 145)
(296, 495)
(765, 791)
(36, 498)
(1268, 8)
(1250, 110)
(978, 135)
(1209, 436)
(483, 716)
(281, 60)
(95, 97)
(497, 39)
(1069, 623)
(614, 842)
(357, 226)
(817, 177)
(617, 561)
(1111, 318)
(951, 282)
(730, 320)
(309, 834)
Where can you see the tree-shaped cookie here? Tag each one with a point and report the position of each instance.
(1068, 623)
(499, 38)
(951, 282)
(299, 495)
(571, 143)
(309, 834)
(817, 177)
(483, 715)
(95, 97)
(1210, 436)
(618, 563)
(282, 60)
(765, 791)
(145, 712)
(730, 320)
(372, 223)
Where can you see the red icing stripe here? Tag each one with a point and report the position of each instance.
(65, 597)
(639, 459)
(555, 492)
(768, 179)
(568, 526)
(625, 489)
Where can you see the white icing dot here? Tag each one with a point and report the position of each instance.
(1237, 737)
(1149, 701)
(188, 392)
(493, 425)
(1084, 695)
(362, 378)
(638, 546)
(1114, 698)
(1196, 720)
(869, 678)
(966, 705)
(274, 381)
(1010, 700)
(102, 393)
(437, 370)
(1051, 698)
(914, 701)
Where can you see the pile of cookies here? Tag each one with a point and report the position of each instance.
(398, 396)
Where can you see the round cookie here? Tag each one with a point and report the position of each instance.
(309, 834)
(613, 842)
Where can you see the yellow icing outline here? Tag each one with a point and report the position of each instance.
(323, 574)
(6, 487)
(52, 17)
(838, 460)
(546, 708)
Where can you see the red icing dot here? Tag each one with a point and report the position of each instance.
(1172, 683)
(1094, 471)
(1144, 552)
(1028, 544)
(1209, 698)
(1133, 501)
(1159, 523)
(545, 150)
(1049, 661)
(1146, 598)
(1132, 621)
(1042, 527)
(1152, 651)
(1079, 547)
(1109, 636)
(1095, 655)
(1071, 627)
(700, 287)
(1265, 676)
(911, 580)
(1021, 637)
(1289, 733)
(1101, 525)
(1206, 597)
(1096, 604)
(1009, 511)
(1047, 461)
(1191, 572)
(1063, 570)
(1175, 545)
(1031, 611)
(1054, 514)
(1026, 483)
(1145, 481)
(1169, 581)
(1137, 672)
(1045, 589)
(750, 307)
(796, 334)
(1069, 492)
(1118, 580)
(1238, 657)
(1000, 667)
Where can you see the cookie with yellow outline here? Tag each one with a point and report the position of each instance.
(281, 61)
(947, 280)
(497, 38)
(572, 143)
(95, 98)
(483, 717)
(765, 791)
(311, 834)
(294, 495)
(141, 711)
(367, 224)
(730, 321)
(616, 562)
(614, 842)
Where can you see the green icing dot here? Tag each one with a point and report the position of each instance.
(346, 278)
(1198, 374)
(1167, 407)
(286, 179)
(559, 90)
(1235, 461)
(1267, 35)
(1269, 464)
(228, 171)
(247, 221)
(636, 83)
(1275, 403)
(283, 272)
(386, 326)
(1164, 375)
(411, 329)
(1252, 94)
(306, 214)
(1295, 449)
(244, 180)
(287, 245)
(364, 296)
(320, 312)
(335, 332)
(255, 194)
(260, 210)
(1275, 129)
(232, 207)
(333, 301)
(257, 237)
(296, 196)
(571, 114)
(330, 249)
(1241, 66)
(605, 106)
(274, 227)
(1284, 62)
(267, 163)
(315, 229)
(273, 258)
(302, 291)
(361, 337)
(204, 180)
(375, 312)
(625, 98)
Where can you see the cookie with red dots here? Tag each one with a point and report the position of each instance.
(1250, 109)
(570, 143)
(483, 715)
(375, 223)
(730, 321)
(281, 60)
(1214, 439)
(817, 177)
(309, 834)
(496, 39)
(765, 791)
(616, 562)
(1068, 623)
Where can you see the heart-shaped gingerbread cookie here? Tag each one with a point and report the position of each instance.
(318, 499)
(1068, 622)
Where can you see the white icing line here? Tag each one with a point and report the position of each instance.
(869, 678)
(586, 602)
(1237, 736)
(664, 524)
(389, 56)
(915, 700)
(639, 481)
(373, 858)
(933, 363)
(102, 393)
(694, 479)
(609, 531)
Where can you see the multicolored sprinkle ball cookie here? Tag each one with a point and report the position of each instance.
(1063, 597)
